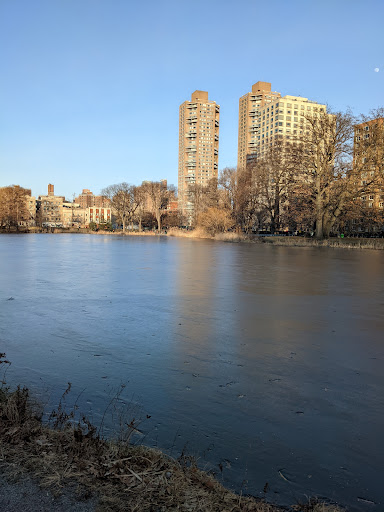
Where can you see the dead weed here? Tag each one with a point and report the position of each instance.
(124, 477)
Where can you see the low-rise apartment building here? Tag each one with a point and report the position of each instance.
(50, 209)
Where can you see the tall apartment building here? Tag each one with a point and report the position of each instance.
(249, 119)
(265, 116)
(284, 119)
(198, 145)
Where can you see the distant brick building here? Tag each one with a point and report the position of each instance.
(86, 199)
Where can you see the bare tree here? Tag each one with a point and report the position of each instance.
(124, 201)
(206, 196)
(328, 168)
(271, 180)
(13, 206)
(363, 215)
(141, 199)
(157, 199)
(299, 213)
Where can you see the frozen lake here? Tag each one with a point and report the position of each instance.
(265, 362)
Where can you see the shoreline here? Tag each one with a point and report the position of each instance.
(69, 461)
(229, 237)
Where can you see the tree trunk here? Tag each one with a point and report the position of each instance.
(319, 226)
(273, 224)
(319, 210)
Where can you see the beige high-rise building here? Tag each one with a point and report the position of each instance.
(265, 117)
(249, 119)
(198, 145)
(285, 119)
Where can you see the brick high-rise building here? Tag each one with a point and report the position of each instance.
(198, 145)
(249, 119)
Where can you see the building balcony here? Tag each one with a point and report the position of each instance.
(216, 123)
(192, 105)
(216, 138)
(216, 151)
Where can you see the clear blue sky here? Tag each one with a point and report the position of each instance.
(90, 89)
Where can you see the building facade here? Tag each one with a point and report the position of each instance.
(250, 106)
(31, 207)
(86, 199)
(98, 215)
(198, 145)
(73, 216)
(265, 117)
(284, 119)
(50, 209)
(368, 155)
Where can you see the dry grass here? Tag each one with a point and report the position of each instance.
(345, 243)
(230, 237)
(201, 233)
(193, 233)
(314, 505)
(123, 477)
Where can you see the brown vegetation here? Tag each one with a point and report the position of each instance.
(123, 477)
(343, 243)
(13, 207)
